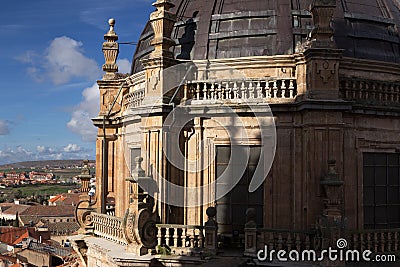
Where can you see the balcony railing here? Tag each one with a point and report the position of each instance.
(181, 239)
(370, 92)
(277, 239)
(108, 227)
(247, 89)
(379, 240)
(250, 89)
(134, 99)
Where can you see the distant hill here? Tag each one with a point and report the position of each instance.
(44, 163)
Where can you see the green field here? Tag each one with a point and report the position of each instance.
(24, 191)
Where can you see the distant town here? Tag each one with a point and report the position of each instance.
(37, 207)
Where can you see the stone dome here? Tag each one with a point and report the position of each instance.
(212, 29)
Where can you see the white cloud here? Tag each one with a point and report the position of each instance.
(66, 61)
(4, 129)
(72, 148)
(80, 122)
(61, 62)
(41, 149)
(124, 65)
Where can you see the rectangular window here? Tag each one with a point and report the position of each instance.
(381, 190)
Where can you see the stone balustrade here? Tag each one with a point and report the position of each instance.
(108, 227)
(182, 239)
(285, 239)
(370, 92)
(275, 239)
(380, 240)
(134, 99)
(248, 89)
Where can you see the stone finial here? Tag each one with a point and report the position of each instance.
(138, 172)
(322, 13)
(162, 21)
(110, 49)
(333, 187)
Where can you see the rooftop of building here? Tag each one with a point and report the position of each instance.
(366, 29)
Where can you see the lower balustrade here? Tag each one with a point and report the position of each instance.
(376, 240)
(180, 239)
(108, 227)
(275, 239)
(284, 239)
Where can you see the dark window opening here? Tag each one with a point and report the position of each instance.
(381, 190)
(231, 209)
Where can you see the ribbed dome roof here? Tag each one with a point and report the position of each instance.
(210, 29)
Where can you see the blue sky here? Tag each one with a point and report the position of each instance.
(50, 59)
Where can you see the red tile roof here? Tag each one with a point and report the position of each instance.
(12, 235)
(71, 199)
(16, 208)
(49, 211)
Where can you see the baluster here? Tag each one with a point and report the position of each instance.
(280, 241)
(298, 242)
(267, 90)
(183, 237)
(201, 238)
(205, 97)
(159, 236)
(275, 89)
(366, 92)
(251, 90)
(259, 90)
(362, 243)
(291, 89)
(197, 91)
(175, 237)
(271, 241)
(375, 242)
(191, 238)
(289, 242)
(235, 91)
(369, 242)
(243, 90)
(212, 90)
(227, 91)
(382, 241)
(283, 88)
(389, 241)
(355, 241)
(392, 93)
(380, 90)
(167, 236)
(220, 91)
(307, 242)
(360, 93)
(396, 239)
